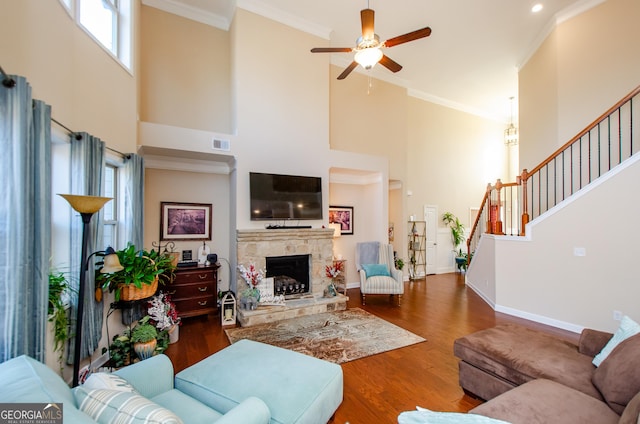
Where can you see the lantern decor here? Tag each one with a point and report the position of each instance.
(228, 310)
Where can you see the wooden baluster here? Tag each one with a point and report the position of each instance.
(522, 179)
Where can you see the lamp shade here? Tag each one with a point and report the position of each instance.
(85, 204)
(111, 262)
(368, 57)
(336, 229)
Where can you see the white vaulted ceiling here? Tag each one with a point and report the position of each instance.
(470, 62)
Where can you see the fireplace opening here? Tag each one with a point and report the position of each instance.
(290, 275)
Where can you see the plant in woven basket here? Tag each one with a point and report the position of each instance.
(142, 270)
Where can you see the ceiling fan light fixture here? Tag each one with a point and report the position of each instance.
(367, 58)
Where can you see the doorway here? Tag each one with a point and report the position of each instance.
(431, 219)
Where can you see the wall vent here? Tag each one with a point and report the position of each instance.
(219, 144)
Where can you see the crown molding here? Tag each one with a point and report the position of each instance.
(262, 8)
(193, 13)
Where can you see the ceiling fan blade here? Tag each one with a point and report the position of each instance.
(414, 35)
(367, 17)
(331, 50)
(390, 64)
(348, 70)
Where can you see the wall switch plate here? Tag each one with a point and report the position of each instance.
(617, 315)
(579, 251)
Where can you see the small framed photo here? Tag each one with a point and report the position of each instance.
(185, 221)
(342, 215)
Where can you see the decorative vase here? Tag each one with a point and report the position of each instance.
(145, 350)
(174, 333)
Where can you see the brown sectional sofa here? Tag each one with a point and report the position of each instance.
(528, 376)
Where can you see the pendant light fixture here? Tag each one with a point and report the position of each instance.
(511, 133)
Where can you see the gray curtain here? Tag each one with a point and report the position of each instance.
(133, 176)
(87, 165)
(25, 221)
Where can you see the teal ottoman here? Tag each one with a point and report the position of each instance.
(297, 388)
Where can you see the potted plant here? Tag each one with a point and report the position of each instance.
(251, 295)
(144, 338)
(58, 312)
(140, 276)
(164, 315)
(399, 263)
(119, 350)
(457, 237)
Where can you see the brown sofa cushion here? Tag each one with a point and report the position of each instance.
(631, 414)
(618, 377)
(543, 401)
(518, 354)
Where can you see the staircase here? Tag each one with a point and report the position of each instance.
(559, 245)
(607, 142)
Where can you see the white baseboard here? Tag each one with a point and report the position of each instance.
(540, 319)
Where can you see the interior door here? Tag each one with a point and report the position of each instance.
(431, 218)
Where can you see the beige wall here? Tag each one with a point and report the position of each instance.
(451, 157)
(163, 185)
(184, 72)
(584, 67)
(369, 120)
(86, 87)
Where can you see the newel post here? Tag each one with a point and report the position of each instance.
(522, 180)
(498, 215)
(489, 226)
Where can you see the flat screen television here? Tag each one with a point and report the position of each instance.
(284, 197)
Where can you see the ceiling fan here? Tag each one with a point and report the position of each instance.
(368, 47)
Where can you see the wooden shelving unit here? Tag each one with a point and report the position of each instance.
(417, 249)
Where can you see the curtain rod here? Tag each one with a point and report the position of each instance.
(7, 81)
(79, 137)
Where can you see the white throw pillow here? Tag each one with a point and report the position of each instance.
(105, 380)
(627, 328)
(425, 416)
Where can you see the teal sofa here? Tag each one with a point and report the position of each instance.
(247, 382)
(25, 380)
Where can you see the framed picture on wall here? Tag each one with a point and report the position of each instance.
(342, 215)
(185, 221)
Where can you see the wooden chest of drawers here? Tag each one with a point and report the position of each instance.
(194, 290)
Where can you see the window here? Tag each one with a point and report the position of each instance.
(110, 210)
(108, 22)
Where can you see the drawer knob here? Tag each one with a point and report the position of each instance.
(202, 303)
(203, 289)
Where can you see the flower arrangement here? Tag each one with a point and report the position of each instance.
(251, 275)
(163, 311)
(332, 271)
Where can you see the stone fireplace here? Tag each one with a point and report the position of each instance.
(313, 245)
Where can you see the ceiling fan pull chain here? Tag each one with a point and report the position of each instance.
(370, 85)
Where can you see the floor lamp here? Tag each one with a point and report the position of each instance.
(86, 206)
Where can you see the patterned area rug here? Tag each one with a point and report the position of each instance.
(340, 336)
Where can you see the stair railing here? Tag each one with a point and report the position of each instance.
(608, 141)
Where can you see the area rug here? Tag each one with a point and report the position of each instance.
(337, 337)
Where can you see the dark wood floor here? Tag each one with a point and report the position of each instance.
(439, 308)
